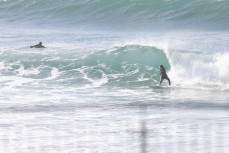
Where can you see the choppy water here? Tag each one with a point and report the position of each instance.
(97, 90)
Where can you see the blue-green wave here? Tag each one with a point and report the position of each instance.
(132, 65)
(128, 66)
(128, 14)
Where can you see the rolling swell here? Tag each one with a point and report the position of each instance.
(119, 14)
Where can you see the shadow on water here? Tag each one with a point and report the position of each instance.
(145, 133)
(156, 104)
(143, 137)
(143, 130)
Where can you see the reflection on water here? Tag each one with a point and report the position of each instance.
(143, 137)
(128, 121)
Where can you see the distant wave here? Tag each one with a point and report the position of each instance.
(118, 14)
(128, 66)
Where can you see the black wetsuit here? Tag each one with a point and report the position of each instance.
(37, 46)
(164, 76)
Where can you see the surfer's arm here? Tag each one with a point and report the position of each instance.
(161, 72)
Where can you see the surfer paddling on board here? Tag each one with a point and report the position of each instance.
(38, 45)
(163, 74)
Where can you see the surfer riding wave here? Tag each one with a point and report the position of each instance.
(163, 75)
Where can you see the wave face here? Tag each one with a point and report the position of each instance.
(125, 66)
(135, 14)
(120, 66)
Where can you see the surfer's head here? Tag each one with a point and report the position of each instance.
(40, 43)
(161, 66)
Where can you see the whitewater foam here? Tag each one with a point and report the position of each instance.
(128, 66)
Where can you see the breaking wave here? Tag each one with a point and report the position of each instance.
(124, 66)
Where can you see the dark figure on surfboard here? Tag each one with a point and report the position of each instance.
(38, 46)
(163, 74)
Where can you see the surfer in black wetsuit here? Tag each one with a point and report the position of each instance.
(38, 46)
(163, 74)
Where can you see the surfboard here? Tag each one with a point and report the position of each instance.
(159, 87)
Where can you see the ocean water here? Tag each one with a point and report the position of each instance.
(95, 87)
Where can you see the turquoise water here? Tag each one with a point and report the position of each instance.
(95, 87)
(134, 15)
